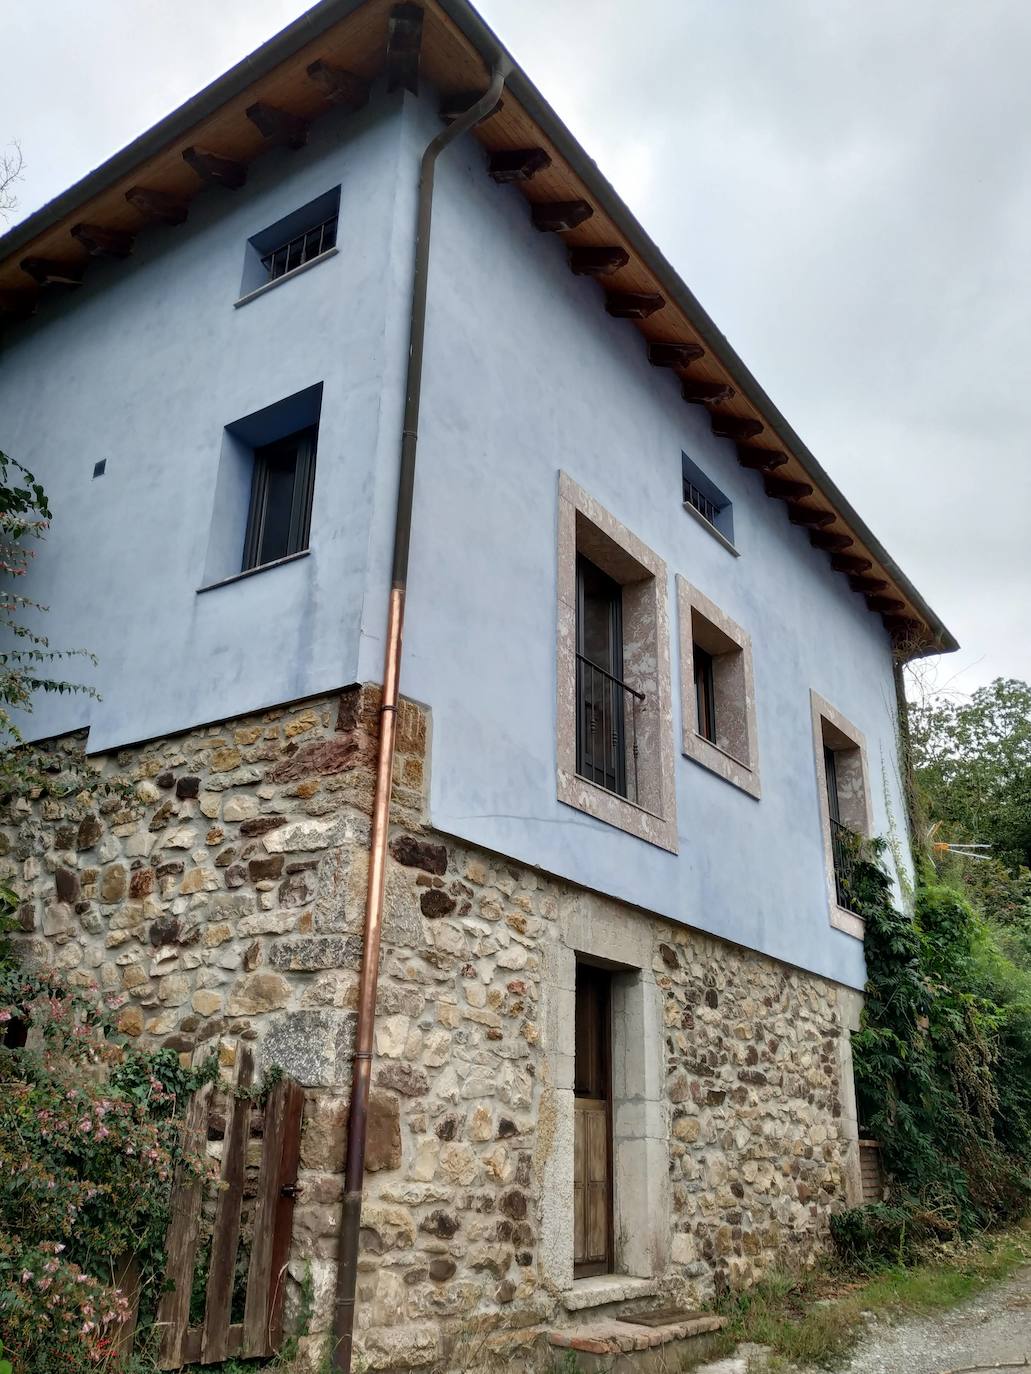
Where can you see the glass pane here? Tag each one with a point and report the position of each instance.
(596, 629)
(281, 468)
(329, 233)
(293, 254)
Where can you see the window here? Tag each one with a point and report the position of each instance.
(262, 510)
(602, 698)
(705, 693)
(280, 513)
(296, 241)
(704, 500)
(614, 722)
(717, 690)
(308, 244)
(844, 806)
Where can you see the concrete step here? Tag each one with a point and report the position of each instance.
(638, 1344)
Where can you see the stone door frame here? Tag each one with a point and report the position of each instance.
(603, 932)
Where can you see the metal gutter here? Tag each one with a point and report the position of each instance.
(358, 1118)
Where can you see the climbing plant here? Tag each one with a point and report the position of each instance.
(943, 1058)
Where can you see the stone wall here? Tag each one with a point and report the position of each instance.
(217, 895)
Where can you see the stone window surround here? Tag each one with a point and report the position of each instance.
(737, 760)
(586, 527)
(599, 931)
(830, 727)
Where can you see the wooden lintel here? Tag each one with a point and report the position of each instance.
(674, 354)
(760, 459)
(18, 305)
(810, 516)
(704, 393)
(101, 242)
(404, 42)
(50, 272)
(278, 126)
(452, 106)
(214, 168)
(887, 605)
(632, 305)
(157, 206)
(554, 217)
(859, 583)
(597, 262)
(339, 86)
(738, 427)
(784, 489)
(850, 563)
(830, 541)
(518, 164)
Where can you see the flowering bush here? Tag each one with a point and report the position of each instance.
(89, 1143)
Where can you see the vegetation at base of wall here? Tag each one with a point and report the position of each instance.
(942, 1066)
(814, 1319)
(89, 1144)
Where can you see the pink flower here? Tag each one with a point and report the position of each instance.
(5, 1016)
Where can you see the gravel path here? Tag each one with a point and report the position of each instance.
(991, 1330)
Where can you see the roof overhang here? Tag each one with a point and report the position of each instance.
(328, 57)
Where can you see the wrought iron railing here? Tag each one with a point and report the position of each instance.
(301, 249)
(706, 508)
(606, 729)
(845, 849)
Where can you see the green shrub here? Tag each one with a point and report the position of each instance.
(89, 1143)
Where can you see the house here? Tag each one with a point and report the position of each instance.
(649, 684)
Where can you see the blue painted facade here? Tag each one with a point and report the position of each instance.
(525, 376)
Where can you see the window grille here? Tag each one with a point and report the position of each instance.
(300, 249)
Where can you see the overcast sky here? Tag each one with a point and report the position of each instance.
(845, 185)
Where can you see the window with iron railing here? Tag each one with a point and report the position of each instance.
(606, 708)
(704, 497)
(300, 249)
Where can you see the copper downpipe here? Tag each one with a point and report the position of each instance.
(357, 1126)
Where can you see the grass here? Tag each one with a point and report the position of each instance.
(817, 1318)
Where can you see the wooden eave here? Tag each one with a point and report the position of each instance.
(456, 52)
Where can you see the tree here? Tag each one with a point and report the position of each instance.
(12, 164)
(27, 661)
(973, 765)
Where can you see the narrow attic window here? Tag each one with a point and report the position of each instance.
(703, 499)
(293, 243)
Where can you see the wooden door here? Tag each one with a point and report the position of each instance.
(592, 1125)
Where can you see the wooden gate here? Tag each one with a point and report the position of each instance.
(259, 1333)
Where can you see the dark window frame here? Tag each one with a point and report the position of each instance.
(301, 248)
(705, 692)
(702, 494)
(594, 680)
(302, 444)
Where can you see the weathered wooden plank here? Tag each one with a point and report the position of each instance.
(597, 262)
(741, 428)
(518, 164)
(126, 1277)
(225, 1236)
(256, 1309)
(157, 206)
(174, 1308)
(700, 392)
(340, 86)
(286, 1199)
(101, 242)
(633, 305)
(674, 354)
(214, 168)
(404, 44)
(278, 126)
(556, 216)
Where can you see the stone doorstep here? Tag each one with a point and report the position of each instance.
(622, 1337)
(607, 1288)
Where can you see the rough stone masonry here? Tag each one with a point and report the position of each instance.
(219, 898)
